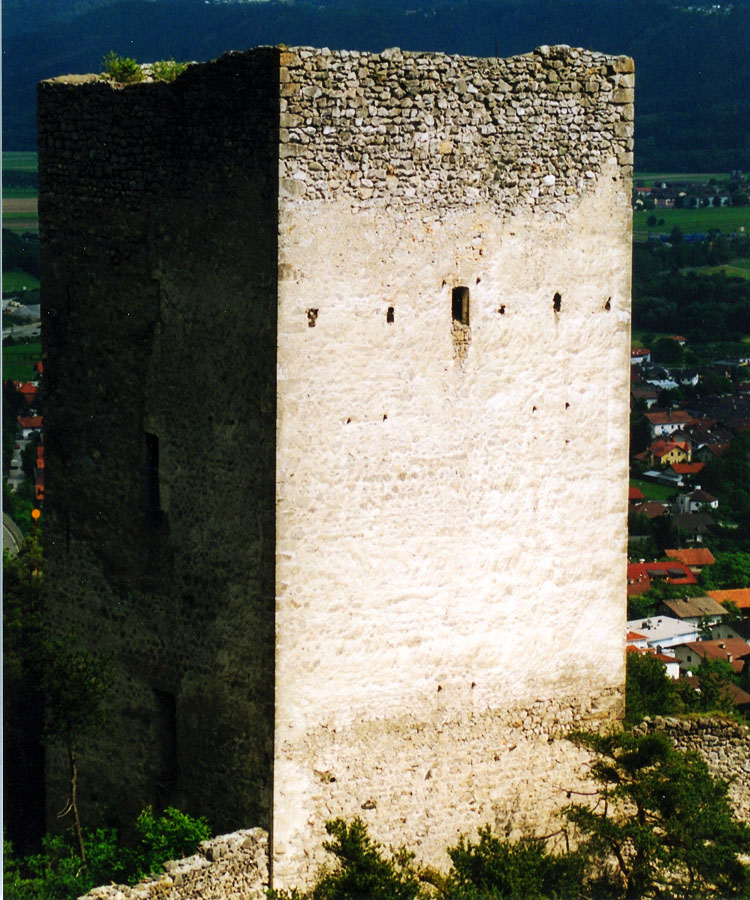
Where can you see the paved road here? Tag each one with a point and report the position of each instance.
(21, 331)
(12, 536)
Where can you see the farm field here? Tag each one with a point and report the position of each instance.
(648, 179)
(20, 213)
(16, 281)
(19, 161)
(653, 491)
(19, 359)
(19, 197)
(726, 219)
(736, 268)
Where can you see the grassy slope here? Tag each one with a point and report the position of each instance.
(19, 161)
(653, 491)
(16, 280)
(19, 203)
(726, 219)
(648, 179)
(19, 359)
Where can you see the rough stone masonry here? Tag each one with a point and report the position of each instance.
(336, 359)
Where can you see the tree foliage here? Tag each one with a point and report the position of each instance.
(56, 872)
(731, 570)
(122, 69)
(713, 692)
(661, 826)
(361, 870)
(657, 826)
(649, 691)
(523, 870)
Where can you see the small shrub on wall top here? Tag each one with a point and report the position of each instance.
(122, 68)
(125, 70)
(167, 69)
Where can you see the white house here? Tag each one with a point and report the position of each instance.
(695, 501)
(664, 631)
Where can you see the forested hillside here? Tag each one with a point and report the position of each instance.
(692, 63)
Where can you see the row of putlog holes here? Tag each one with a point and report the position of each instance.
(460, 309)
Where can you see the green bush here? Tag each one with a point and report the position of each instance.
(492, 868)
(167, 69)
(121, 68)
(361, 872)
(649, 691)
(662, 826)
(172, 835)
(56, 872)
(488, 869)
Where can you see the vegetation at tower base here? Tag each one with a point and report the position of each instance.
(649, 691)
(56, 872)
(657, 824)
(56, 691)
(662, 826)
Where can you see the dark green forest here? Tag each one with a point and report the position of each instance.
(692, 108)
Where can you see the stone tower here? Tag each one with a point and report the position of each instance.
(337, 359)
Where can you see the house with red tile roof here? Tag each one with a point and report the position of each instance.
(29, 424)
(739, 596)
(28, 390)
(696, 558)
(635, 639)
(639, 355)
(688, 468)
(731, 650)
(39, 474)
(640, 575)
(650, 508)
(664, 423)
(669, 452)
(635, 494)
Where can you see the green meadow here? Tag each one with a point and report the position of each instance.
(726, 219)
(16, 281)
(19, 360)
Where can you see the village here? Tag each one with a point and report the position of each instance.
(688, 605)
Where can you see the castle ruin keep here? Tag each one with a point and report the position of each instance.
(337, 359)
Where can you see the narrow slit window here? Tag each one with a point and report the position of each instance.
(389, 314)
(460, 305)
(165, 728)
(151, 479)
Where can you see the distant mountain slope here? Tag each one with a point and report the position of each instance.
(693, 68)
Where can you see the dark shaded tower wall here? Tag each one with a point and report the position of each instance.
(158, 216)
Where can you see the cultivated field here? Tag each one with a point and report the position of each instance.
(648, 179)
(20, 213)
(16, 281)
(737, 268)
(727, 219)
(653, 491)
(19, 359)
(20, 161)
(19, 202)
